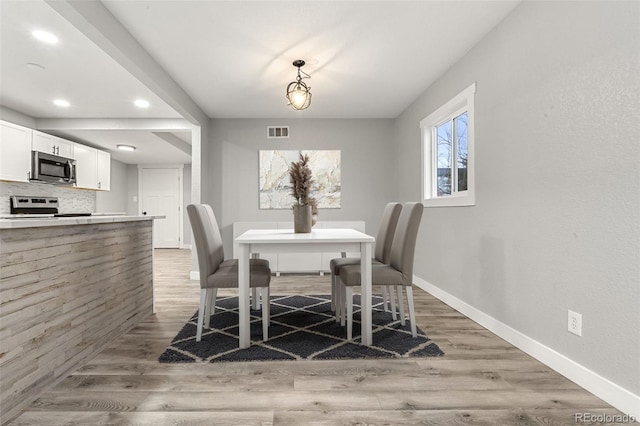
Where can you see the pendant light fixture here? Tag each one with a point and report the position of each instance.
(298, 93)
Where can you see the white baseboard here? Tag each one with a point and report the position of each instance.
(194, 275)
(603, 388)
(185, 246)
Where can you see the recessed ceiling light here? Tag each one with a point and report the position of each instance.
(61, 103)
(45, 36)
(126, 147)
(141, 103)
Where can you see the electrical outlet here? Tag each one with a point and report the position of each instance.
(574, 323)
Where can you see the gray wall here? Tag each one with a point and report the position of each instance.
(556, 225)
(132, 189)
(365, 147)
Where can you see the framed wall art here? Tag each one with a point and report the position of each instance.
(275, 187)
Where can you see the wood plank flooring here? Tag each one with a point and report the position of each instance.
(481, 380)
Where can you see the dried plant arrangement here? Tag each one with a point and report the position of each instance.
(301, 183)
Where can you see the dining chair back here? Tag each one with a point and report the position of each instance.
(215, 231)
(403, 247)
(386, 231)
(210, 253)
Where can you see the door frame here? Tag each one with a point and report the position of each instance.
(180, 169)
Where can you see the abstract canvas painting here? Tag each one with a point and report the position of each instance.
(275, 187)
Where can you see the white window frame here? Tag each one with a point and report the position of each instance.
(463, 101)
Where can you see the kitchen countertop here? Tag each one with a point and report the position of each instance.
(40, 222)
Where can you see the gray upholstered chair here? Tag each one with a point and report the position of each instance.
(216, 272)
(399, 272)
(218, 239)
(383, 249)
(255, 297)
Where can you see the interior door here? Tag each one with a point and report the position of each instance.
(160, 195)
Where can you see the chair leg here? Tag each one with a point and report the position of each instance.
(268, 297)
(343, 302)
(348, 292)
(214, 297)
(254, 299)
(203, 304)
(392, 299)
(339, 296)
(210, 307)
(401, 305)
(264, 293)
(207, 308)
(412, 312)
(385, 304)
(333, 292)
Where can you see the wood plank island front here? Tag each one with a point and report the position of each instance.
(68, 287)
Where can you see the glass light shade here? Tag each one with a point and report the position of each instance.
(298, 95)
(298, 98)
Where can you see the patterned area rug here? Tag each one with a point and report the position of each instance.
(302, 327)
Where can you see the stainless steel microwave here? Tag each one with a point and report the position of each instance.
(52, 168)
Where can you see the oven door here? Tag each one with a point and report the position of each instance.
(52, 168)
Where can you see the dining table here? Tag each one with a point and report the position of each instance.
(253, 242)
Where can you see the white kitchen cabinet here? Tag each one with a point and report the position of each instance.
(104, 170)
(93, 168)
(15, 152)
(86, 166)
(50, 144)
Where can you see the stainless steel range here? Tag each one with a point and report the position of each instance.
(25, 206)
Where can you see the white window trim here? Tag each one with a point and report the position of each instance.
(463, 101)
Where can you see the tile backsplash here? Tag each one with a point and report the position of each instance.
(71, 200)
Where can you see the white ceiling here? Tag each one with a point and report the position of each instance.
(367, 59)
(150, 148)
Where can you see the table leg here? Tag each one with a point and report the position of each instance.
(367, 293)
(243, 295)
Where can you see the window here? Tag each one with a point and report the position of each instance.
(448, 153)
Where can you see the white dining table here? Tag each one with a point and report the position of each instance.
(256, 241)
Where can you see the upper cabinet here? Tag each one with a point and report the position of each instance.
(93, 168)
(50, 144)
(104, 170)
(86, 166)
(15, 152)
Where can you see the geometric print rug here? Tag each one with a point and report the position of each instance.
(302, 327)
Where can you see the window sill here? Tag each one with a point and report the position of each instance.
(451, 201)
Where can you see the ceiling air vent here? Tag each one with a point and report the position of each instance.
(277, 132)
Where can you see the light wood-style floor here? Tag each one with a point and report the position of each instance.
(481, 380)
